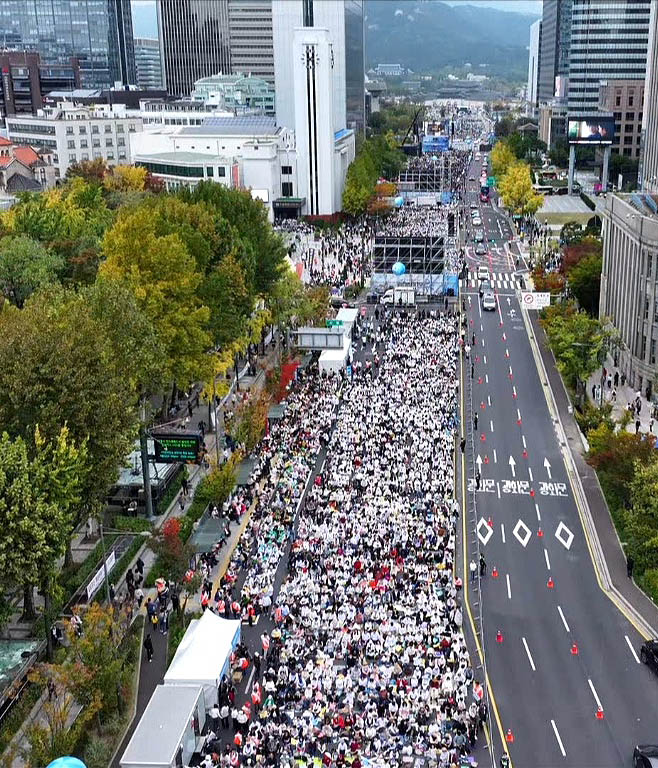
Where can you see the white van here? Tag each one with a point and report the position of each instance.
(489, 302)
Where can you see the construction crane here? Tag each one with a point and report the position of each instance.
(414, 125)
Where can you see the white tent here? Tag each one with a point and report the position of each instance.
(202, 657)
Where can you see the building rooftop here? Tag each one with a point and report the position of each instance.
(248, 125)
(644, 203)
(181, 158)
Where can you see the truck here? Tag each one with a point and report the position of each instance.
(400, 297)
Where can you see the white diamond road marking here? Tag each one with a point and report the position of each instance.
(524, 538)
(562, 530)
(484, 537)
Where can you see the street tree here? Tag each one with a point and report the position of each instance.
(516, 191)
(502, 157)
(226, 293)
(571, 233)
(25, 266)
(585, 277)
(642, 516)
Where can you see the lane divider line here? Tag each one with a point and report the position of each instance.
(633, 651)
(509, 587)
(595, 694)
(548, 562)
(564, 621)
(527, 650)
(559, 740)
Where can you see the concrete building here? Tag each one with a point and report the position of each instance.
(608, 42)
(26, 81)
(235, 93)
(148, 64)
(159, 112)
(649, 155)
(390, 70)
(532, 88)
(629, 283)
(25, 168)
(554, 48)
(625, 98)
(76, 133)
(98, 33)
(552, 122)
(344, 21)
(250, 34)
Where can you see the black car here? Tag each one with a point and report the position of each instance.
(645, 756)
(649, 654)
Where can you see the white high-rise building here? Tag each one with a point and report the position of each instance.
(532, 91)
(650, 125)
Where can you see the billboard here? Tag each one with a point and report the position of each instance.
(595, 129)
(172, 447)
(436, 143)
(535, 300)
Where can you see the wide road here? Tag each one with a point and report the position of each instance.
(564, 672)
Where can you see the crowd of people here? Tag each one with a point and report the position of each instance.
(364, 660)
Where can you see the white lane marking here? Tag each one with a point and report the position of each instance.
(523, 439)
(518, 416)
(564, 621)
(489, 400)
(527, 650)
(484, 359)
(530, 474)
(486, 377)
(630, 645)
(514, 391)
(251, 677)
(495, 457)
(537, 511)
(491, 425)
(502, 533)
(498, 488)
(509, 588)
(481, 328)
(548, 562)
(482, 342)
(559, 740)
(595, 694)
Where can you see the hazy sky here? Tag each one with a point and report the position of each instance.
(145, 22)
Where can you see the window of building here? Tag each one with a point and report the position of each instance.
(131, 128)
(122, 155)
(618, 100)
(97, 155)
(96, 142)
(210, 171)
(109, 142)
(631, 97)
(119, 129)
(69, 130)
(630, 116)
(221, 171)
(286, 189)
(72, 157)
(110, 155)
(83, 143)
(121, 142)
(286, 170)
(617, 115)
(628, 151)
(71, 144)
(94, 129)
(628, 139)
(108, 129)
(82, 129)
(84, 156)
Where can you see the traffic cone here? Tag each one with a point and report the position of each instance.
(509, 736)
(507, 353)
(514, 395)
(511, 377)
(486, 459)
(479, 379)
(490, 523)
(482, 405)
(499, 636)
(494, 572)
(501, 323)
(574, 649)
(483, 438)
(525, 454)
(504, 337)
(550, 583)
(532, 493)
(599, 714)
(518, 421)
(540, 533)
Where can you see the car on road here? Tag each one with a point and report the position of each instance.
(645, 756)
(477, 221)
(471, 178)
(484, 287)
(478, 236)
(649, 654)
(483, 272)
(474, 206)
(480, 250)
(489, 302)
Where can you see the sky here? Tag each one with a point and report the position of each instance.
(145, 21)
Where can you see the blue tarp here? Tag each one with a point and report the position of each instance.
(446, 198)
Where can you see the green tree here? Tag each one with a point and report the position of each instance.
(516, 191)
(571, 233)
(25, 266)
(642, 517)
(165, 280)
(92, 171)
(585, 281)
(225, 291)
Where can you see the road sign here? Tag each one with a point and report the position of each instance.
(95, 583)
(172, 447)
(334, 323)
(535, 300)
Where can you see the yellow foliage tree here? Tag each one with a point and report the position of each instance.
(502, 158)
(126, 177)
(516, 191)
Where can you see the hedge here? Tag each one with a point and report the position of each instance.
(132, 524)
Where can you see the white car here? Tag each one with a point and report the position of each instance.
(483, 272)
(489, 302)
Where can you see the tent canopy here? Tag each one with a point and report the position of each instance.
(203, 654)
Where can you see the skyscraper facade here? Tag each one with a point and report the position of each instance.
(250, 34)
(98, 33)
(194, 35)
(533, 67)
(554, 48)
(649, 163)
(609, 41)
(148, 63)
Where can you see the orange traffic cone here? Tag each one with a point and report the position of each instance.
(509, 736)
(532, 493)
(525, 454)
(483, 438)
(550, 583)
(486, 459)
(599, 713)
(494, 572)
(574, 649)
(490, 522)
(540, 533)
(499, 636)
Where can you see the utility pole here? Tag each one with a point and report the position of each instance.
(146, 477)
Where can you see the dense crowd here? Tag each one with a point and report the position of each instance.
(416, 221)
(364, 658)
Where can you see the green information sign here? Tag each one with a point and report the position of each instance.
(172, 447)
(334, 323)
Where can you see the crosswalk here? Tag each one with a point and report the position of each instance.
(505, 281)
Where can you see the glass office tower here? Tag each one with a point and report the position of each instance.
(355, 65)
(98, 33)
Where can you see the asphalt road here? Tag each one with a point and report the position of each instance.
(525, 522)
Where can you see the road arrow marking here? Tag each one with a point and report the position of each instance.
(478, 461)
(509, 301)
(547, 465)
(512, 465)
(469, 301)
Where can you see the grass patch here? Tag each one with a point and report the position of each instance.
(132, 524)
(12, 722)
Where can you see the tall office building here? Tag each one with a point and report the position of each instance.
(148, 63)
(98, 33)
(554, 48)
(609, 41)
(344, 21)
(195, 41)
(250, 34)
(532, 95)
(649, 163)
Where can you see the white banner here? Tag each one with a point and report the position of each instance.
(534, 300)
(95, 583)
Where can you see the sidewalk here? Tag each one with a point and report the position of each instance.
(610, 546)
(625, 395)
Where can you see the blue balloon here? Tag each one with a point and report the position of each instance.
(67, 762)
(399, 268)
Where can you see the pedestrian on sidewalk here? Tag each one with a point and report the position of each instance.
(139, 597)
(148, 646)
(214, 716)
(186, 486)
(651, 425)
(614, 395)
(223, 715)
(638, 424)
(462, 444)
(473, 567)
(616, 379)
(630, 564)
(483, 565)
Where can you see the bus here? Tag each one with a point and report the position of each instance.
(484, 194)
